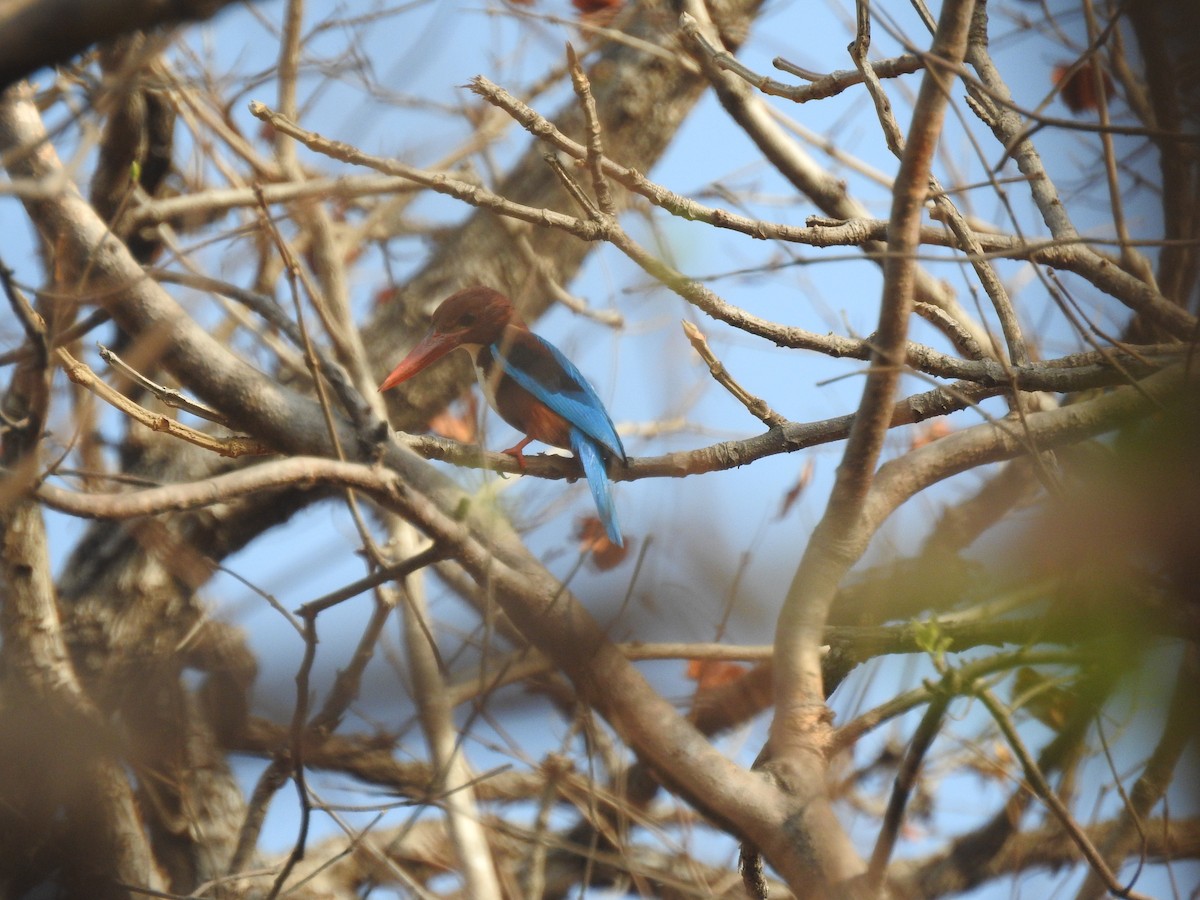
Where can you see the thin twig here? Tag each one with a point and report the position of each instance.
(233, 446)
(167, 396)
(756, 406)
(968, 241)
(595, 147)
(1040, 787)
(859, 51)
(906, 777)
(820, 87)
(295, 765)
(402, 569)
(267, 308)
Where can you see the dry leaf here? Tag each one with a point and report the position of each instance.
(593, 539)
(713, 673)
(793, 494)
(458, 421)
(1078, 90)
(929, 433)
(598, 12)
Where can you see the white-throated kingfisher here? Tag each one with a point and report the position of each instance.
(528, 381)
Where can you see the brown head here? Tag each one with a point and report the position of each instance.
(472, 317)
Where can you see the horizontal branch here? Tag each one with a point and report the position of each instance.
(793, 436)
(296, 471)
(787, 438)
(207, 202)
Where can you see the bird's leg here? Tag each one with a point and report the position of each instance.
(515, 451)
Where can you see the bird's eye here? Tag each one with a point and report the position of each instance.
(467, 320)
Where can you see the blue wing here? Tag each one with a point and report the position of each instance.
(589, 456)
(541, 369)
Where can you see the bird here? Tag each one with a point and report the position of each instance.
(528, 381)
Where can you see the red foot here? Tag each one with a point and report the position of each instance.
(515, 452)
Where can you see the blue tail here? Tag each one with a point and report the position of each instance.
(587, 451)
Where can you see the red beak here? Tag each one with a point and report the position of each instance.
(431, 348)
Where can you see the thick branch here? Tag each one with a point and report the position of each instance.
(1047, 847)
(840, 538)
(45, 32)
